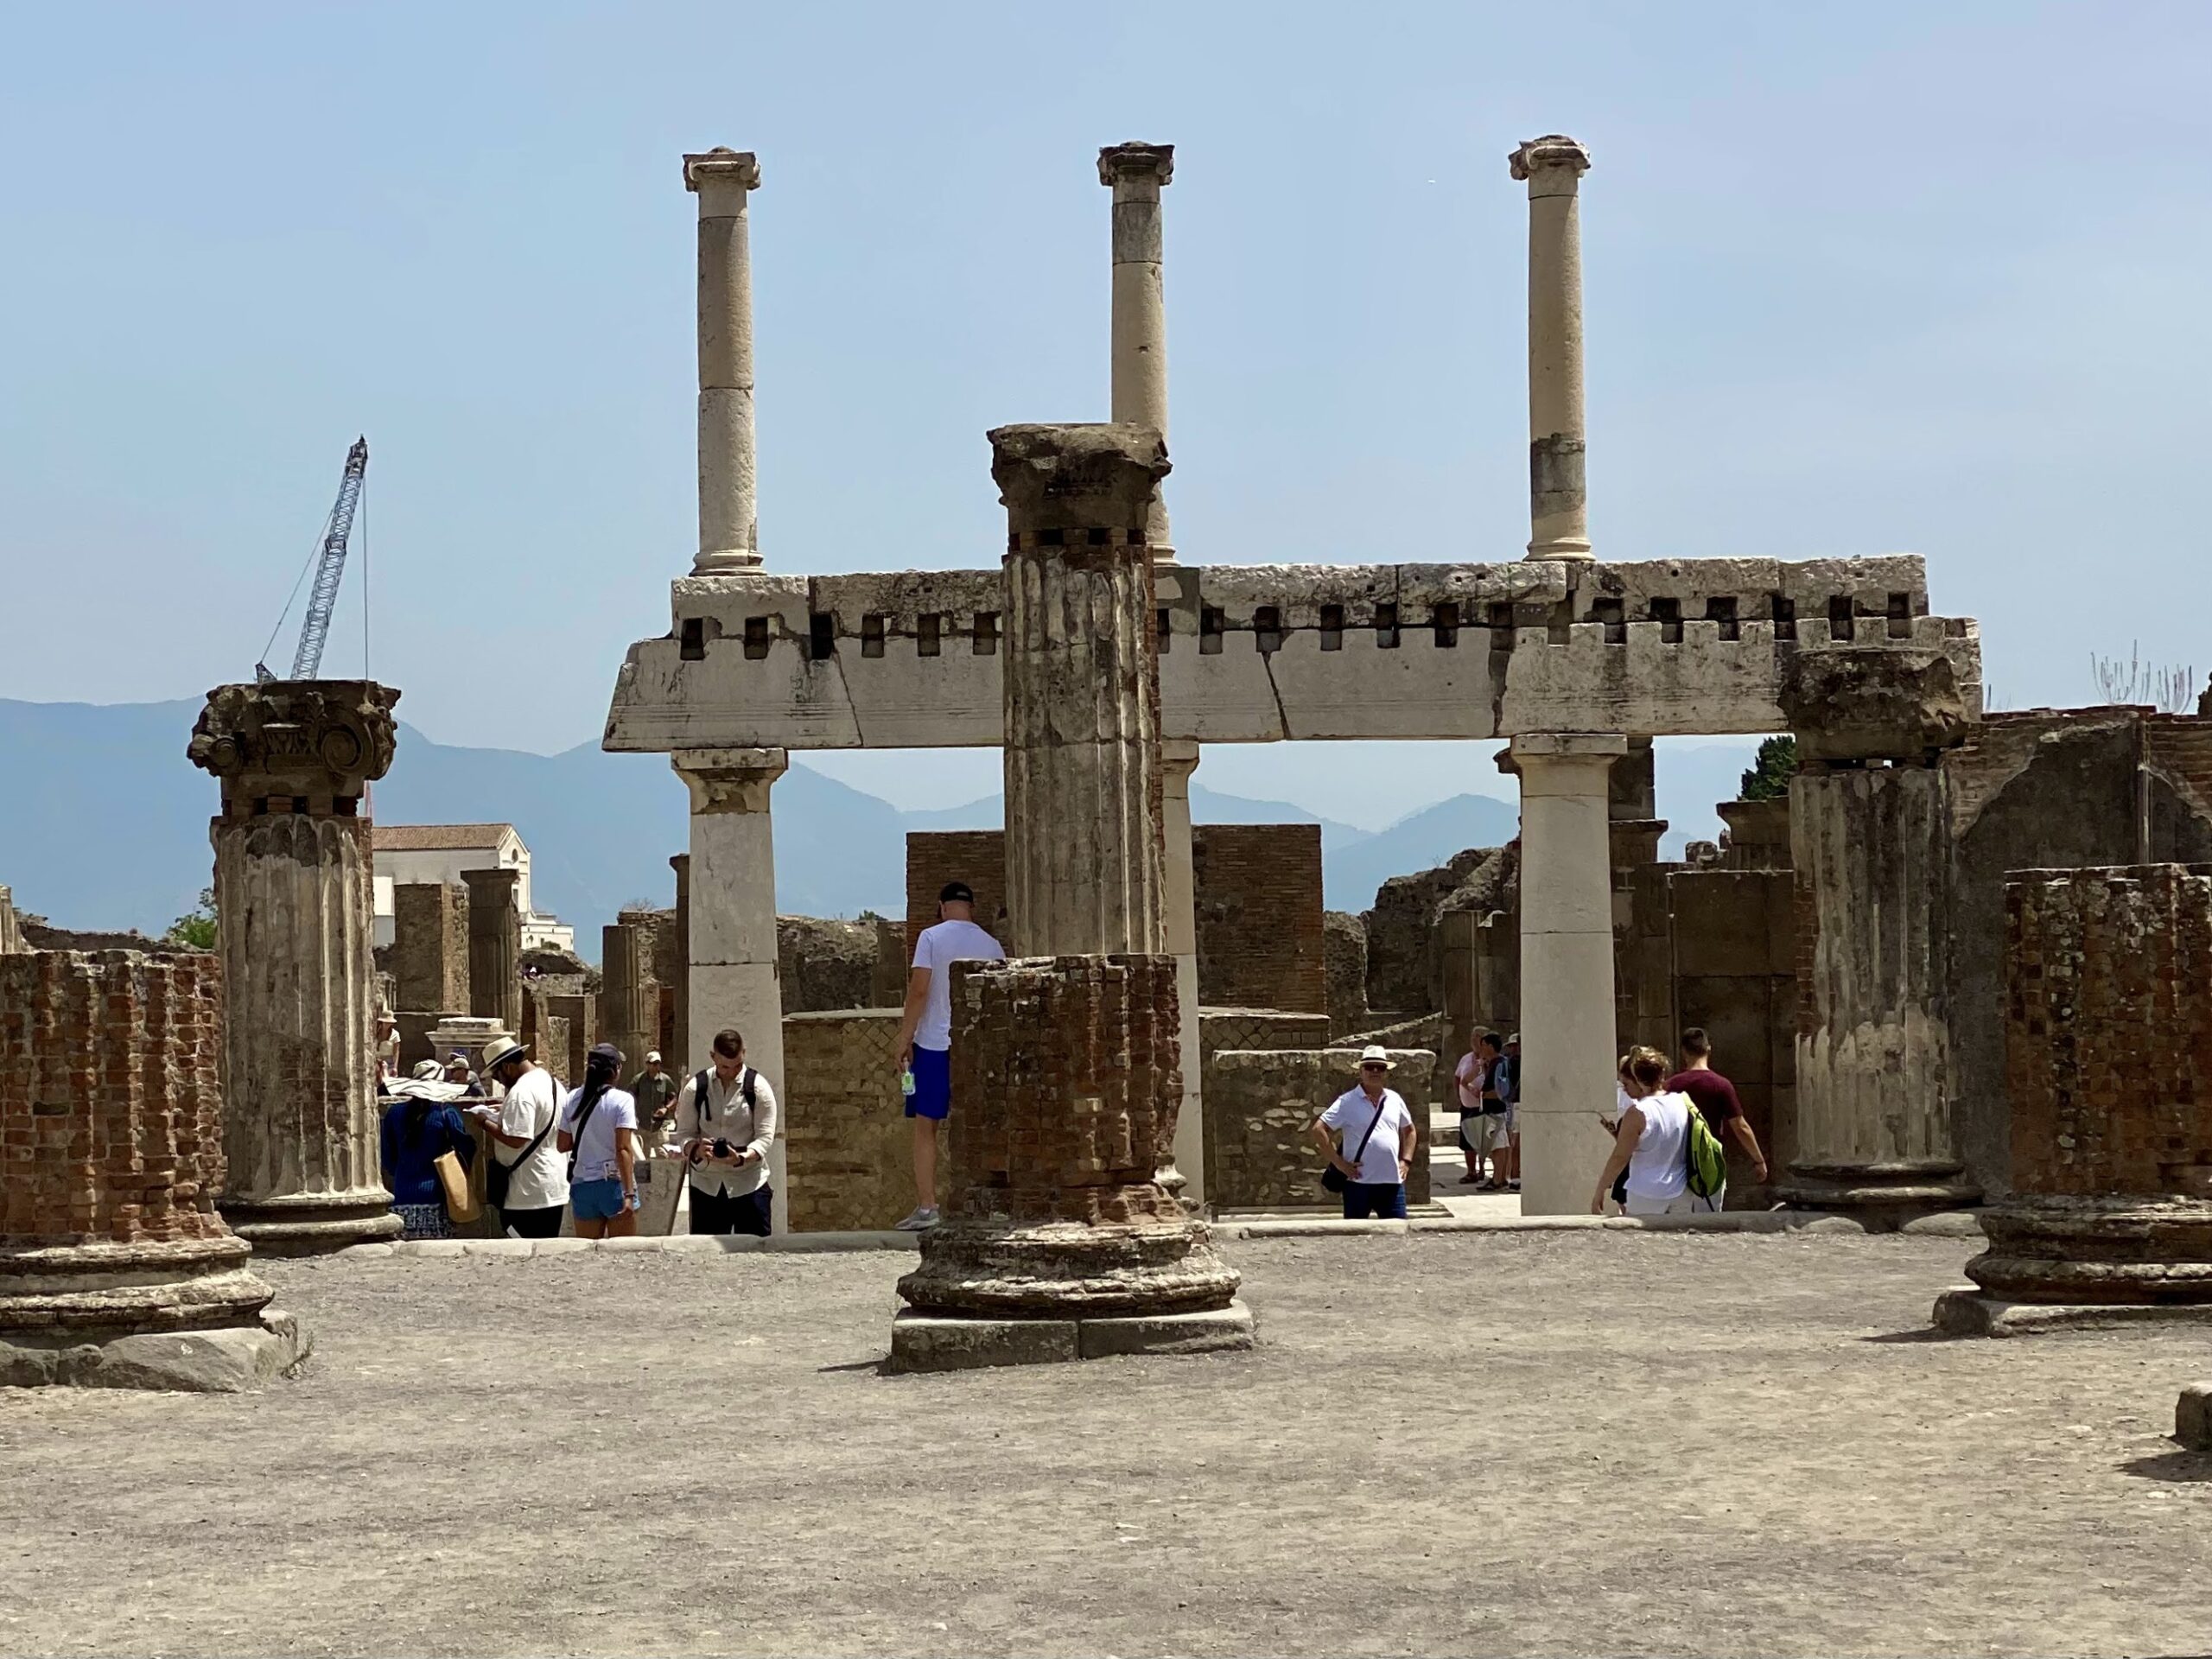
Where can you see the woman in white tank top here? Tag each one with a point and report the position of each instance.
(1650, 1143)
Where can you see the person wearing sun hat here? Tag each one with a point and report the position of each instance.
(1367, 1133)
(530, 1185)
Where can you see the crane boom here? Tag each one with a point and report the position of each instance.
(330, 566)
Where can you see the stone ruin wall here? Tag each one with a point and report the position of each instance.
(847, 1139)
(429, 954)
(111, 1097)
(1260, 1151)
(1343, 971)
(2108, 1031)
(11, 931)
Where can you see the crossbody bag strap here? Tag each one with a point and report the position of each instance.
(1380, 1106)
(539, 1140)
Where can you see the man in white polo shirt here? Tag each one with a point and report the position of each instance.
(925, 1033)
(1367, 1135)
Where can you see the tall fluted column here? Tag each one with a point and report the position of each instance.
(680, 1061)
(1871, 846)
(294, 908)
(1137, 174)
(1566, 966)
(1085, 860)
(1559, 521)
(1060, 1241)
(1178, 759)
(494, 948)
(732, 976)
(729, 531)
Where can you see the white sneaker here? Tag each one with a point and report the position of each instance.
(921, 1221)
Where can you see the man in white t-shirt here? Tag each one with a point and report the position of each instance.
(521, 1128)
(1367, 1134)
(925, 1032)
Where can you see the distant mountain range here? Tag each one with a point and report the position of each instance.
(103, 823)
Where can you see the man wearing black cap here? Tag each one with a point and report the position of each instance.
(925, 1033)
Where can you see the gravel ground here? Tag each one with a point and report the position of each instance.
(1541, 1443)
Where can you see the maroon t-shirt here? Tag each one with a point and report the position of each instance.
(1714, 1095)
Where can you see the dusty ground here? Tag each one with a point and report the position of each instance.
(1521, 1443)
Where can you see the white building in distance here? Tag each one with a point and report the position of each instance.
(407, 853)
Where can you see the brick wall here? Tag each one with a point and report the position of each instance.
(1065, 1085)
(1259, 1105)
(1258, 900)
(975, 856)
(110, 1098)
(429, 945)
(848, 1147)
(2108, 1029)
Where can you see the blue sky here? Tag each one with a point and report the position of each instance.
(1925, 278)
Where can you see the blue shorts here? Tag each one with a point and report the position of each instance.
(932, 1095)
(598, 1200)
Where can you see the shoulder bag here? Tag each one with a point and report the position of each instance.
(499, 1177)
(1334, 1179)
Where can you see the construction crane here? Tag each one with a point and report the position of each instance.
(329, 570)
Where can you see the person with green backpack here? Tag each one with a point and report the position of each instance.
(1674, 1165)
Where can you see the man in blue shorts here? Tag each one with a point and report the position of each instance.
(925, 1032)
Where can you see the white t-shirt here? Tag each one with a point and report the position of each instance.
(595, 1152)
(1350, 1113)
(1655, 1168)
(542, 1182)
(938, 947)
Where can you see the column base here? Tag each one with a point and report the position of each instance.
(313, 1223)
(94, 1293)
(1069, 1271)
(1562, 548)
(729, 561)
(2101, 1252)
(227, 1359)
(1893, 1193)
(1966, 1313)
(933, 1342)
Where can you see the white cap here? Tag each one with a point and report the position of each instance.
(652, 1057)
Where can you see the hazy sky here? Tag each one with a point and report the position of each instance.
(1879, 278)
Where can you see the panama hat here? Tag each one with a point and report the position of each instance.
(1375, 1054)
(499, 1051)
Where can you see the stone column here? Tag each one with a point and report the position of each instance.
(1085, 865)
(1061, 1243)
(494, 948)
(1869, 843)
(294, 900)
(680, 1062)
(732, 910)
(729, 532)
(625, 987)
(1558, 524)
(1137, 174)
(111, 1149)
(1178, 759)
(1871, 848)
(429, 946)
(1566, 966)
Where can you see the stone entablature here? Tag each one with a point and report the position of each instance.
(1262, 653)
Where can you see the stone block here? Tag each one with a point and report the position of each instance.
(922, 1342)
(561, 1246)
(1215, 1331)
(884, 1239)
(230, 1359)
(1946, 1224)
(1967, 1312)
(446, 1249)
(505, 1247)
(2193, 1417)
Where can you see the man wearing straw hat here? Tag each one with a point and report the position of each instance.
(530, 1187)
(1368, 1135)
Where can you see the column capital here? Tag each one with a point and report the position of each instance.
(1178, 759)
(1555, 161)
(296, 746)
(720, 178)
(1568, 746)
(1136, 163)
(729, 780)
(1055, 480)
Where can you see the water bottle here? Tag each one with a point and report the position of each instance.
(906, 1083)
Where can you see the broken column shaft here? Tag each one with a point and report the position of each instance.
(295, 922)
(494, 948)
(1137, 174)
(1060, 1241)
(1558, 520)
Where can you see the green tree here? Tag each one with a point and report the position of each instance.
(197, 927)
(1769, 777)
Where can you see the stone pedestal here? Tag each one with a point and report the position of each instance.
(467, 1034)
(1059, 1240)
(1558, 504)
(1567, 1056)
(1870, 846)
(293, 893)
(733, 974)
(2108, 1068)
(1178, 759)
(115, 1269)
(494, 947)
(729, 536)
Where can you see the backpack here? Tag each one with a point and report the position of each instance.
(1706, 1159)
(704, 1107)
